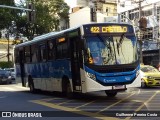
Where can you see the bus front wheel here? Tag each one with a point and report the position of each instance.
(111, 93)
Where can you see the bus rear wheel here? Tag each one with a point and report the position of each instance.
(111, 93)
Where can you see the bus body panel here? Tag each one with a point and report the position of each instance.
(116, 78)
(47, 75)
(89, 85)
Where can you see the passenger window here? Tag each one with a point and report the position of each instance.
(27, 54)
(34, 53)
(43, 51)
(62, 50)
(51, 50)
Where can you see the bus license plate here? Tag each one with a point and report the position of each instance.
(118, 87)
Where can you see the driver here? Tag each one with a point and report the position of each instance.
(95, 56)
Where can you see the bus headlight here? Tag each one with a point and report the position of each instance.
(90, 75)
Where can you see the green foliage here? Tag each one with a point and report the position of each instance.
(7, 15)
(5, 64)
(48, 15)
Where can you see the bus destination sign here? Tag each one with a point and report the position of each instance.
(109, 29)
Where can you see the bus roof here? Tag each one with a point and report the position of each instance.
(41, 37)
(51, 34)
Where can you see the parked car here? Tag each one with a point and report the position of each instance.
(150, 76)
(12, 72)
(5, 77)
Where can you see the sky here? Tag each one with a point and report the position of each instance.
(71, 3)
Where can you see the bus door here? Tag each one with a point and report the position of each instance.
(75, 63)
(21, 58)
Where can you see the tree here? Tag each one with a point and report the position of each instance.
(49, 13)
(7, 15)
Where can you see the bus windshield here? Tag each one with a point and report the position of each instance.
(111, 50)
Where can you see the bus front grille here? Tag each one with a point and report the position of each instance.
(116, 70)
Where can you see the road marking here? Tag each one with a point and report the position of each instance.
(64, 102)
(73, 110)
(140, 107)
(84, 104)
(48, 99)
(137, 101)
(115, 103)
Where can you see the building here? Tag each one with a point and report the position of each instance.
(107, 7)
(149, 36)
(4, 50)
(104, 12)
(151, 12)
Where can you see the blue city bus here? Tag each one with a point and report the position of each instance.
(87, 58)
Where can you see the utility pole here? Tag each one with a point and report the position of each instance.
(93, 11)
(140, 38)
(8, 51)
(140, 30)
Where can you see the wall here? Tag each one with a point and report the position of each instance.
(82, 16)
(3, 52)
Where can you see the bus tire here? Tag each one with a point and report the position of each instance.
(31, 85)
(111, 93)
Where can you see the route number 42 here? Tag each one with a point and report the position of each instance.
(95, 29)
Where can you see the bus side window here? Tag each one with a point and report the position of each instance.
(65, 50)
(27, 54)
(62, 50)
(34, 53)
(43, 51)
(51, 50)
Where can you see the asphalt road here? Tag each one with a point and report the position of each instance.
(133, 104)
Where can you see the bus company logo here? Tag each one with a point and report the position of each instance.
(6, 114)
(110, 80)
(21, 114)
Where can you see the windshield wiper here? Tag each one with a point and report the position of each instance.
(108, 45)
(120, 41)
(103, 41)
